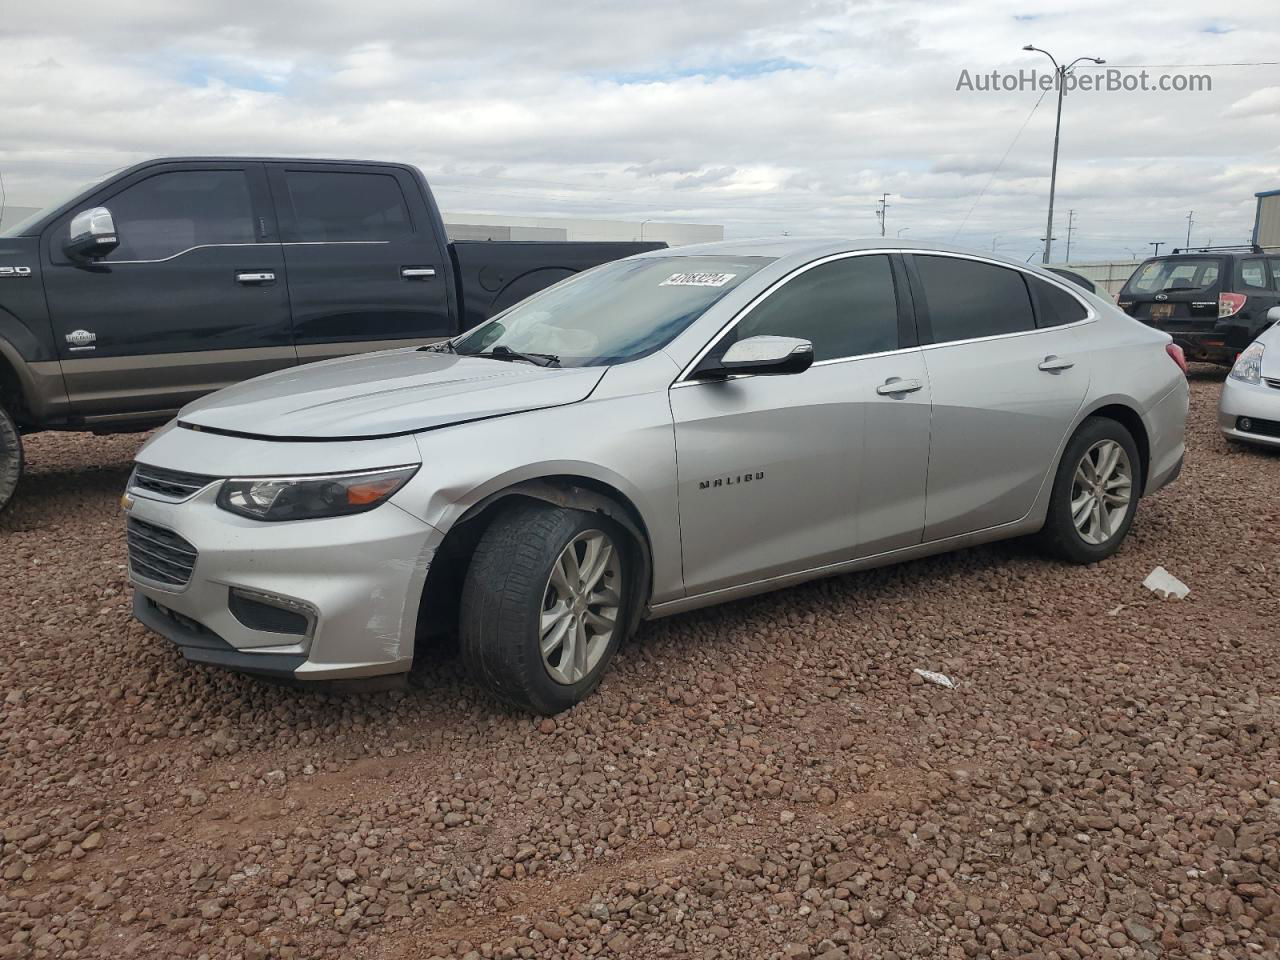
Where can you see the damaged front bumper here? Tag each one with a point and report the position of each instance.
(312, 599)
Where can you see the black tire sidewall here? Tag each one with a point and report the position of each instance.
(1059, 527)
(502, 646)
(11, 458)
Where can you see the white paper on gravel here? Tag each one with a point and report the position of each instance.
(941, 679)
(1164, 583)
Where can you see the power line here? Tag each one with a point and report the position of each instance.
(1007, 151)
(1167, 66)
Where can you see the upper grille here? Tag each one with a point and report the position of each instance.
(159, 554)
(1272, 382)
(168, 483)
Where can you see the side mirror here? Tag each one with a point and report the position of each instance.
(93, 234)
(1273, 315)
(768, 356)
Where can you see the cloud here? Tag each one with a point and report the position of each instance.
(762, 116)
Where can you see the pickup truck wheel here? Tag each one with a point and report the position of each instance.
(544, 604)
(10, 457)
(1095, 493)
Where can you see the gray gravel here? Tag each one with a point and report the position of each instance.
(768, 779)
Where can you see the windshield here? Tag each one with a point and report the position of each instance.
(21, 228)
(617, 312)
(1184, 273)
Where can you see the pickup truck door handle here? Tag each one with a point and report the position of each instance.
(895, 386)
(417, 273)
(255, 276)
(1052, 364)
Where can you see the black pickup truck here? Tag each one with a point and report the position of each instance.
(179, 276)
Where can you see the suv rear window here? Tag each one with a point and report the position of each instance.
(1163, 276)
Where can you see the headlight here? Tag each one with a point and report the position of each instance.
(311, 498)
(1249, 364)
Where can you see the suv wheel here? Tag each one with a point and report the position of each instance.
(10, 457)
(1095, 493)
(546, 601)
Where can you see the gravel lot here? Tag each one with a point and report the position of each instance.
(767, 779)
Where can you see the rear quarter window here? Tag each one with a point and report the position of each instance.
(1054, 306)
(1252, 273)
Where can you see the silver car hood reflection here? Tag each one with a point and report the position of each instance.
(385, 394)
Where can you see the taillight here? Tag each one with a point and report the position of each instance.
(1229, 304)
(1175, 353)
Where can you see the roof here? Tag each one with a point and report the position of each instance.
(1268, 193)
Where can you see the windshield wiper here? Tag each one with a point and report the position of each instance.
(506, 353)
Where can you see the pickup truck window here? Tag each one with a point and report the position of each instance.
(172, 212)
(335, 207)
(617, 312)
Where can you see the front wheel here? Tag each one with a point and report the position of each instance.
(10, 457)
(1095, 493)
(546, 601)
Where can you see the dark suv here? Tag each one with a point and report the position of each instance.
(1213, 301)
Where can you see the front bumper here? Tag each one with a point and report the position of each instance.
(359, 579)
(1258, 404)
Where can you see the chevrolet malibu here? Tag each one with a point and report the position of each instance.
(661, 433)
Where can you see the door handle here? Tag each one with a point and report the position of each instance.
(1052, 364)
(255, 276)
(417, 273)
(895, 386)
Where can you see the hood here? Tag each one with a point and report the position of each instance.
(384, 394)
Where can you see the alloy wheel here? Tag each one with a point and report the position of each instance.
(580, 607)
(1101, 491)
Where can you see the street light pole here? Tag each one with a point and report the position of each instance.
(1060, 75)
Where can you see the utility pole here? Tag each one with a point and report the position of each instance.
(1071, 219)
(1061, 73)
(881, 212)
(1189, 223)
(1157, 244)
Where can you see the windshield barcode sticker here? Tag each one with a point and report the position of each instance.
(697, 280)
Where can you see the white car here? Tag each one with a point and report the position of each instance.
(1249, 408)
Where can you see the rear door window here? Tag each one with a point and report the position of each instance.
(845, 308)
(170, 213)
(968, 299)
(333, 207)
(1054, 306)
(1253, 273)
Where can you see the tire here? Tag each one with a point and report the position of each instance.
(1102, 532)
(519, 577)
(10, 457)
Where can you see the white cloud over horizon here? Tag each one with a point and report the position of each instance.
(765, 117)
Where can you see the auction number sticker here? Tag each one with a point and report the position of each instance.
(697, 280)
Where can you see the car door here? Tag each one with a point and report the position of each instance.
(779, 474)
(192, 299)
(1005, 390)
(366, 271)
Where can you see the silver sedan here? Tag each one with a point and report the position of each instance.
(658, 434)
(1249, 408)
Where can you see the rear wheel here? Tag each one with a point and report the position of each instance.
(10, 457)
(545, 603)
(1095, 493)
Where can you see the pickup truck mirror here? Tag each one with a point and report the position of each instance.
(92, 234)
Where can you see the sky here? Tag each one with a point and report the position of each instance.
(766, 117)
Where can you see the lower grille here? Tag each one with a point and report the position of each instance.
(168, 483)
(158, 554)
(1272, 383)
(1266, 428)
